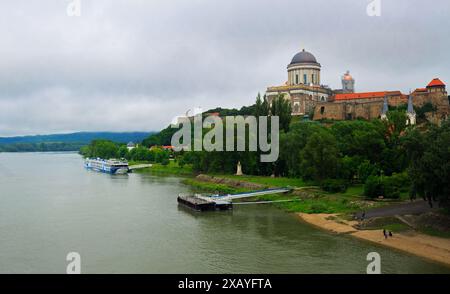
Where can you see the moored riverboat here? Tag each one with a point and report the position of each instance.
(110, 166)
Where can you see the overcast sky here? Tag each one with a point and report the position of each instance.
(133, 65)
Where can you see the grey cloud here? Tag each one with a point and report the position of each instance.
(152, 60)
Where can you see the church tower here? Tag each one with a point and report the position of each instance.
(385, 109)
(348, 83)
(410, 112)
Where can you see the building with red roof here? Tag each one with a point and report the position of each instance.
(370, 105)
(436, 83)
(308, 96)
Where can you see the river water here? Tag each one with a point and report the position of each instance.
(50, 206)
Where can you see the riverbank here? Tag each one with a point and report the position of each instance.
(304, 198)
(172, 168)
(430, 247)
(328, 211)
(324, 210)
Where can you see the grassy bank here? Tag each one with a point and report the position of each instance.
(213, 187)
(309, 200)
(304, 199)
(314, 200)
(170, 169)
(269, 181)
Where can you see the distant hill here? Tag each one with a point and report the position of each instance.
(80, 137)
(65, 142)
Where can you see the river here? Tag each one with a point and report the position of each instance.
(50, 206)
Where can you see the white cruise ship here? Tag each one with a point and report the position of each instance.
(111, 166)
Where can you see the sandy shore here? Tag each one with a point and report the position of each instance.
(434, 248)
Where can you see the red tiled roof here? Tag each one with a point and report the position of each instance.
(366, 95)
(421, 90)
(435, 82)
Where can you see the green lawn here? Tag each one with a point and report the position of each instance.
(213, 187)
(434, 232)
(269, 181)
(316, 204)
(397, 228)
(172, 168)
(354, 191)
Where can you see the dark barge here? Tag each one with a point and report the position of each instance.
(203, 203)
(215, 202)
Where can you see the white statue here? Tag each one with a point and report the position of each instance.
(239, 169)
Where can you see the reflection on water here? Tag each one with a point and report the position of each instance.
(50, 205)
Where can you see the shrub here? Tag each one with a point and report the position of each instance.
(366, 169)
(318, 208)
(388, 187)
(373, 187)
(402, 181)
(334, 186)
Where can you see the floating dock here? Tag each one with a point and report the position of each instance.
(204, 203)
(222, 202)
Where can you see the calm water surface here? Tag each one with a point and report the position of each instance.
(50, 205)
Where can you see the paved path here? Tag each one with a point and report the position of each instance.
(416, 207)
(139, 166)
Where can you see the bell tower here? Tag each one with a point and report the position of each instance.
(348, 83)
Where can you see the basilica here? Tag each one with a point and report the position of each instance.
(313, 100)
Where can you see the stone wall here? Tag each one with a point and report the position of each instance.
(348, 110)
(438, 99)
(371, 108)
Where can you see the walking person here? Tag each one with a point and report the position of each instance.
(385, 234)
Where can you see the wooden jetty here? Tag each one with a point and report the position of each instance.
(222, 202)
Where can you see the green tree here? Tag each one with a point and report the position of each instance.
(292, 142)
(364, 139)
(123, 151)
(100, 148)
(430, 172)
(281, 107)
(319, 158)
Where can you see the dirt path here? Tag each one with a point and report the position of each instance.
(434, 248)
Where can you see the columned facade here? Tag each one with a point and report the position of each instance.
(303, 88)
